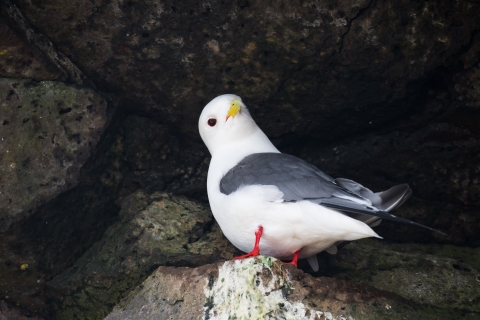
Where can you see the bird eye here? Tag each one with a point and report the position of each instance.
(212, 122)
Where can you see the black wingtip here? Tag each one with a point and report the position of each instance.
(438, 231)
(423, 226)
(380, 214)
(403, 220)
(431, 229)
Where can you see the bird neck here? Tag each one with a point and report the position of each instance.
(225, 158)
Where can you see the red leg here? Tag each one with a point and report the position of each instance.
(256, 250)
(295, 258)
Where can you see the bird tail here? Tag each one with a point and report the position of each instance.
(394, 197)
(387, 200)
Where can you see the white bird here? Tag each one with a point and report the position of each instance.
(276, 204)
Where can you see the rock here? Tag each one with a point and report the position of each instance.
(302, 68)
(260, 288)
(42, 46)
(446, 277)
(154, 230)
(48, 131)
(159, 161)
(18, 61)
(49, 212)
(384, 92)
(9, 312)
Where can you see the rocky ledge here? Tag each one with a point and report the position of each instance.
(261, 288)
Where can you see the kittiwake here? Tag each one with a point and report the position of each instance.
(279, 205)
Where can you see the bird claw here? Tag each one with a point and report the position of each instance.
(254, 253)
(295, 258)
(256, 249)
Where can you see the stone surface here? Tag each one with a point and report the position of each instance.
(154, 230)
(48, 131)
(443, 276)
(261, 288)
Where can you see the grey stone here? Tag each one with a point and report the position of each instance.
(159, 161)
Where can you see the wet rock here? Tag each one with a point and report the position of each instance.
(154, 230)
(260, 288)
(48, 131)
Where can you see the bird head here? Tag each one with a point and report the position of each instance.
(225, 120)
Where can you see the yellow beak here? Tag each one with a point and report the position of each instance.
(235, 107)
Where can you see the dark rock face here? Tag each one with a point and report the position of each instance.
(316, 60)
(18, 61)
(435, 149)
(382, 92)
(48, 132)
(8, 311)
(157, 160)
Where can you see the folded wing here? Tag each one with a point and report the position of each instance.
(299, 180)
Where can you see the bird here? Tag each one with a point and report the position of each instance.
(275, 204)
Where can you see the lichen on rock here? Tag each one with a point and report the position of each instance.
(254, 288)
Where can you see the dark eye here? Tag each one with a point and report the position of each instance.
(212, 122)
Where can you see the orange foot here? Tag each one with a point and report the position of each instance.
(295, 258)
(256, 250)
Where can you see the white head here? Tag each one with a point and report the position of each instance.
(224, 120)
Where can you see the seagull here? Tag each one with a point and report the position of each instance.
(276, 204)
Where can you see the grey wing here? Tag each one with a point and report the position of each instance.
(299, 180)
